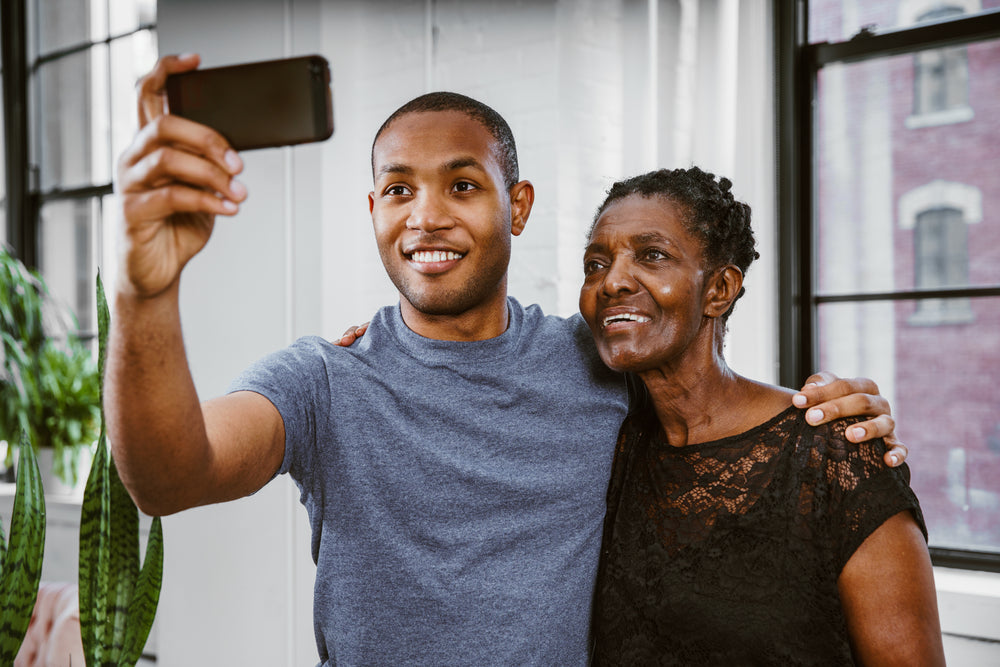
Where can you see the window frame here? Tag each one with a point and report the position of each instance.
(797, 67)
(25, 197)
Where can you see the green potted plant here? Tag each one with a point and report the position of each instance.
(118, 598)
(21, 556)
(49, 382)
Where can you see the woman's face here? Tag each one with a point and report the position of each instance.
(644, 284)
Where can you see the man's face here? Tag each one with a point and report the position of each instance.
(441, 213)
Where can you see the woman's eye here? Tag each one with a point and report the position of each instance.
(397, 191)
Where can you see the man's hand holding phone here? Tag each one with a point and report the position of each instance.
(174, 178)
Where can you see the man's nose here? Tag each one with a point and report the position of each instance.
(429, 213)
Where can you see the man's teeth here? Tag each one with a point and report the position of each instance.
(624, 317)
(434, 256)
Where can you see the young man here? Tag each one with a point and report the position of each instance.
(454, 462)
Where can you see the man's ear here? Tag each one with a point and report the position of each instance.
(724, 287)
(371, 202)
(522, 196)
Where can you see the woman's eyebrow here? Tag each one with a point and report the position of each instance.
(651, 237)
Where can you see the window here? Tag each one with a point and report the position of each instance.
(81, 59)
(890, 217)
(941, 259)
(940, 79)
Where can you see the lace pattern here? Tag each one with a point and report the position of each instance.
(728, 552)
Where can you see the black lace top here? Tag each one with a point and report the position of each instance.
(728, 552)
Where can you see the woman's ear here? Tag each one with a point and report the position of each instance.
(724, 287)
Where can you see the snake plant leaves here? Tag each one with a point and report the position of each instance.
(21, 559)
(142, 607)
(117, 599)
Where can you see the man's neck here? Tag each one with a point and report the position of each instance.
(485, 321)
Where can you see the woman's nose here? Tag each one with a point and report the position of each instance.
(620, 278)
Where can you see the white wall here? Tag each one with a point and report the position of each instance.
(592, 94)
(238, 577)
(594, 90)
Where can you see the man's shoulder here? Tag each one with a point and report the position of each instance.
(558, 325)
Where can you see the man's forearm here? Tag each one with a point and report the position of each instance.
(155, 423)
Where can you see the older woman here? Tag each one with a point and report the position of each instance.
(736, 533)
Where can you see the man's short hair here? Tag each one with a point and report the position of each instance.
(494, 123)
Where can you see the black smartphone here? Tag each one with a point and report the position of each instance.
(260, 104)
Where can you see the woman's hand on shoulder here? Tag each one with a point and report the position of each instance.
(827, 397)
(352, 334)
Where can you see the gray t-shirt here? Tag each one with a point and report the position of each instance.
(456, 491)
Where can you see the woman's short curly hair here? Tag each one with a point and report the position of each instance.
(708, 210)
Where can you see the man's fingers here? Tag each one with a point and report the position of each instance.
(814, 393)
(151, 88)
(182, 134)
(165, 166)
(883, 426)
(896, 452)
(846, 406)
(168, 200)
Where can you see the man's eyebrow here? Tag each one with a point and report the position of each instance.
(394, 168)
(462, 163)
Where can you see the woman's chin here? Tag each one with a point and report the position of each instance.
(623, 361)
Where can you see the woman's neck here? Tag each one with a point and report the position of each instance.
(700, 399)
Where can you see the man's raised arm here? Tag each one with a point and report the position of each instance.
(172, 451)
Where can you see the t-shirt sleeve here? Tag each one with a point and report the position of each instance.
(864, 491)
(293, 381)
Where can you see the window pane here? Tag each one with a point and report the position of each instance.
(942, 387)
(128, 15)
(65, 23)
(131, 58)
(3, 170)
(839, 20)
(67, 234)
(881, 169)
(72, 117)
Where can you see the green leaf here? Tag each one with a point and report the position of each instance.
(142, 608)
(95, 561)
(21, 569)
(103, 327)
(117, 600)
(124, 541)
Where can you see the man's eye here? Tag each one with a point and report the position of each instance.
(591, 266)
(654, 254)
(397, 191)
(464, 186)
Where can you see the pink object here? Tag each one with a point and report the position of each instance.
(53, 638)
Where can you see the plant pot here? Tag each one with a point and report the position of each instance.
(55, 486)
